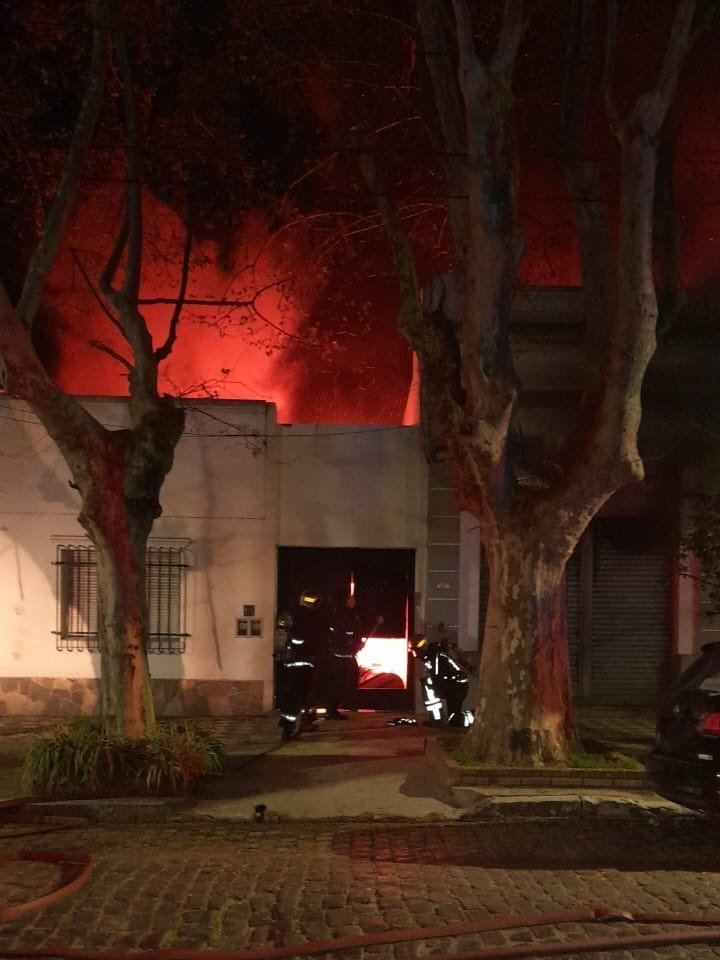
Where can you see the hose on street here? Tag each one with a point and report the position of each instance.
(76, 867)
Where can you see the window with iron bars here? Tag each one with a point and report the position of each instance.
(77, 598)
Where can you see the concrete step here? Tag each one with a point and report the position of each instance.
(498, 803)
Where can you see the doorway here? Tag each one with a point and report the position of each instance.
(383, 580)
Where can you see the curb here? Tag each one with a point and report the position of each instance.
(574, 807)
(114, 809)
(489, 793)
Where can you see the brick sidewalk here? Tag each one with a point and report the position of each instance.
(236, 885)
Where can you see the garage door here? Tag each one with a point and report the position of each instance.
(630, 612)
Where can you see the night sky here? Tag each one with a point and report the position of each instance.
(281, 230)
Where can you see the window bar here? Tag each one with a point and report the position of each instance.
(84, 583)
(169, 573)
(182, 605)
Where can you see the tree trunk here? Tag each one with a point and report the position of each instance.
(127, 705)
(120, 503)
(524, 708)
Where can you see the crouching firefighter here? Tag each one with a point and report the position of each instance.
(445, 679)
(297, 665)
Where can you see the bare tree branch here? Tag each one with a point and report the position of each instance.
(107, 275)
(666, 233)
(411, 318)
(450, 112)
(143, 378)
(704, 23)
(66, 192)
(478, 336)
(105, 348)
(678, 47)
(163, 351)
(25, 378)
(426, 319)
(513, 30)
(133, 194)
(494, 244)
(584, 187)
(75, 254)
(474, 86)
(602, 455)
(612, 110)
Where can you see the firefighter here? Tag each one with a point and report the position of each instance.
(297, 664)
(445, 679)
(345, 641)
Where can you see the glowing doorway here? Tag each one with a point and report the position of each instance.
(382, 582)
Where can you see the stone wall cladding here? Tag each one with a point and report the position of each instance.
(61, 697)
(208, 698)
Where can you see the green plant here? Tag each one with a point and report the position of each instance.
(461, 753)
(702, 543)
(81, 755)
(179, 753)
(602, 761)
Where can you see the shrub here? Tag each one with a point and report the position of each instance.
(81, 756)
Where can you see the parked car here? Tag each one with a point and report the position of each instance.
(685, 763)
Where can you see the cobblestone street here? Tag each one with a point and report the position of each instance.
(204, 884)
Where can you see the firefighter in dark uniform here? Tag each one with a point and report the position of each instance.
(345, 641)
(445, 679)
(297, 664)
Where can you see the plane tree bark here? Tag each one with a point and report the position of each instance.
(117, 473)
(459, 327)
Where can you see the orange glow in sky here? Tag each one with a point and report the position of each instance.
(229, 346)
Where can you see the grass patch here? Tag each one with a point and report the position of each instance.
(602, 761)
(82, 756)
(580, 760)
(461, 753)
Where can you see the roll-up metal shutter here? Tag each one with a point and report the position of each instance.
(572, 613)
(630, 613)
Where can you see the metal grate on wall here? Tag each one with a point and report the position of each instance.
(77, 599)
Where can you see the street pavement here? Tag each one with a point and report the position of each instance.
(204, 884)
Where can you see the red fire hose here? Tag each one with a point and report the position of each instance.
(14, 811)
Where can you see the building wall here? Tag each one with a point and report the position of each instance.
(349, 485)
(354, 486)
(240, 486)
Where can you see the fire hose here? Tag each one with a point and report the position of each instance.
(15, 811)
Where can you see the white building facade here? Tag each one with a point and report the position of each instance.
(248, 504)
(242, 488)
